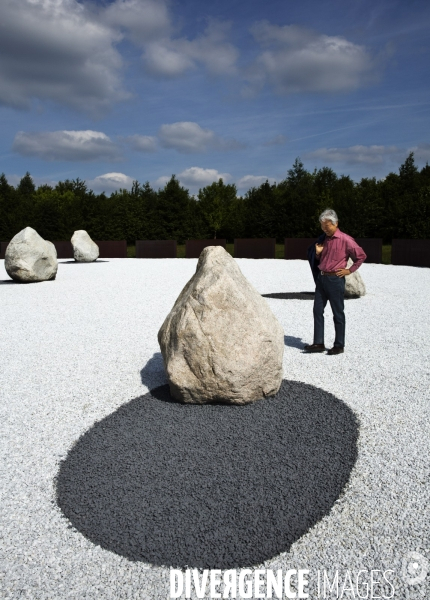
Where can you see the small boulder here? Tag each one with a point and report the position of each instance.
(84, 249)
(30, 258)
(221, 342)
(354, 284)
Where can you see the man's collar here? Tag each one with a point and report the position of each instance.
(335, 234)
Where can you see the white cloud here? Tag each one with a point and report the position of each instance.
(164, 59)
(201, 177)
(172, 57)
(195, 178)
(421, 152)
(188, 137)
(161, 181)
(110, 182)
(143, 20)
(148, 24)
(211, 49)
(141, 143)
(370, 155)
(295, 59)
(249, 181)
(66, 145)
(57, 50)
(66, 51)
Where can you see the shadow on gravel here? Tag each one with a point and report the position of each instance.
(75, 262)
(209, 486)
(9, 281)
(293, 342)
(153, 372)
(298, 296)
(291, 295)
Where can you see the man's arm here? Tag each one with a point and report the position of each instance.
(357, 254)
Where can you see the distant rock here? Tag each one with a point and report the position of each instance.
(221, 342)
(84, 249)
(30, 258)
(354, 284)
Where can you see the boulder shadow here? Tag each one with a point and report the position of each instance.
(291, 295)
(209, 486)
(9, 281)
(299, 296)
(76, 262)
(153, 374)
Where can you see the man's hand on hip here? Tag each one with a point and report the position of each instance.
(343, 272)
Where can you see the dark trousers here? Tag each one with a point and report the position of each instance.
(332, 289)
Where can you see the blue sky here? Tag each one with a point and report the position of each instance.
(142, 89)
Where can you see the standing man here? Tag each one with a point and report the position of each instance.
(328, 260)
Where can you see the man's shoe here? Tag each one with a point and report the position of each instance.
(336, 350)
(314, 348)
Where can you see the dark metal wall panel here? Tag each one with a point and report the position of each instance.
(296, 248)
(193, 248)
(3, 246)
(372, 247)
(156, 249)
(112, 249)
(413, 253)
(254, 248)
(64, 248)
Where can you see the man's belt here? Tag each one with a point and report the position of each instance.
(328, 273)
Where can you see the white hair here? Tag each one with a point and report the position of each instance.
(329, 215)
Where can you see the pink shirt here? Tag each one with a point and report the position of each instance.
(337, 249)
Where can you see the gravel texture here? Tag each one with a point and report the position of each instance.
(75, 350)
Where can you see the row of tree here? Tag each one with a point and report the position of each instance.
(397, 206)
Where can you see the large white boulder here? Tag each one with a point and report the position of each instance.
(84, 249)
(221, 342)
(354, 284)
(30, 258)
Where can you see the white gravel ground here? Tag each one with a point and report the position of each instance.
(73, 350)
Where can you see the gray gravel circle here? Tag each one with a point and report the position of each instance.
(209, 486)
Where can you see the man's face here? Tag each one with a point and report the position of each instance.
(328, 227)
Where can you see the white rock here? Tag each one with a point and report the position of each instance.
(221, 342)
(84, 249)
(30, 258)
(354, 284)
